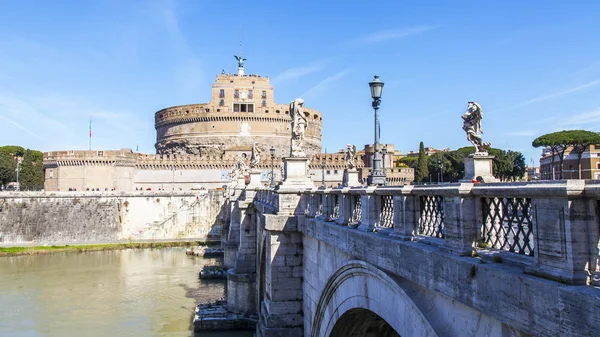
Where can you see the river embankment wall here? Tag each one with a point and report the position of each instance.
(91, 217)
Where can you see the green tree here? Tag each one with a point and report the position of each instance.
(31, 173)
(407, 161)
(7, 168)
(421, 171)
(31, 169)
(557, 142)
(507, 164)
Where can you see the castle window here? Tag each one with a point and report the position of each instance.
(287, 112)
(264, 94)
(276, 111)
(243, 107)
(51, 173)
(207, 110)
(264, 103)
(100, 153)
(328, 172)
(250, 94)
(218, 110)
(236, 93)
(221, 102)
(222, 93)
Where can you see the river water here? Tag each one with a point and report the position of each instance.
(135, 292)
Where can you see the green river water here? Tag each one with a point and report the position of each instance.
(141, 292)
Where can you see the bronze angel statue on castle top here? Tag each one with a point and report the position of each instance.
(472, 126)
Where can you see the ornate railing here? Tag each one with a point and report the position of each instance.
(386, 218)
(529, 224)
(508, 224)
(356, 209)
(431, 216)
(332, 207)
(267, 197)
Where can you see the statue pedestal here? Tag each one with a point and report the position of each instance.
(479, 166)
(296, 173)
(254, 178)
(351, 178)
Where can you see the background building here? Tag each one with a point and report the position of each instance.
(198, 145)
(242, 111)
(590, 164)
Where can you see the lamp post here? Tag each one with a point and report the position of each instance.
(377, 176)
(441, 165)
(384, 153)
(323, 173)
(272, 151)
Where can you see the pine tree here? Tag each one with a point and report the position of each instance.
(421, 172)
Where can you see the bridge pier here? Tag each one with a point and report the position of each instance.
(280, 269)
(241, 253)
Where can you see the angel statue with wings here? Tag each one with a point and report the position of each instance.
(240, 60)
(298, 127)
(350, 155)
(472, 126)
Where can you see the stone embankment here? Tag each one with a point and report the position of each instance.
(59, 218)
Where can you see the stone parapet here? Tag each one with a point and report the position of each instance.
(549, 228)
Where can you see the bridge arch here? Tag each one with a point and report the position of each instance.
(359, 290)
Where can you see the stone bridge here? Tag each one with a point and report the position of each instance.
(495, 259)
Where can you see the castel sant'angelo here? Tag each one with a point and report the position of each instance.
(197, 145)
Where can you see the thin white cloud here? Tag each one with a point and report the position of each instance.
(393, 34)
(295, 73)
(324, 85)
(551, 96)
(10, 121)
(560, 93)
(586, 120)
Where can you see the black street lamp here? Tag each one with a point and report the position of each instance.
(384, 153)
(441, 165)
(323, 173)
(377, 176)
(272, 151)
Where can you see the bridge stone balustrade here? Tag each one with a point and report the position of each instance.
(497, 259)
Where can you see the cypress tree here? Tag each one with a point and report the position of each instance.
(421, 172)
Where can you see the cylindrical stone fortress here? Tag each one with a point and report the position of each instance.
(242, 111)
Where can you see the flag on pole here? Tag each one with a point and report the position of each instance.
(90, 133)
(137, 148)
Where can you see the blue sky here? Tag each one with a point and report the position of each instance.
(534, 66)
